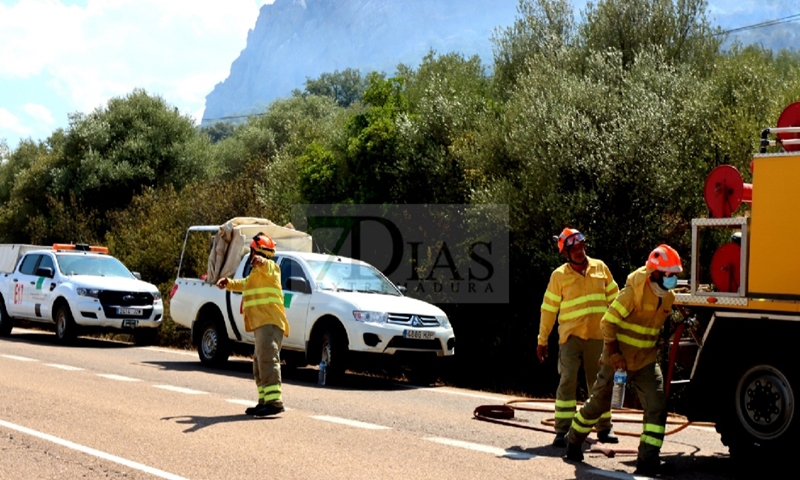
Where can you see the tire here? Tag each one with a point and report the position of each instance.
(333, 350)
(6, 322)
(213, 346)
(762, 418)
(66, 329)
(145, 337)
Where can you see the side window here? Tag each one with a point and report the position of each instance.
(47, 262)
(290, 268)
(28, 265)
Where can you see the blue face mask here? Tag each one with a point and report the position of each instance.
(670, 282)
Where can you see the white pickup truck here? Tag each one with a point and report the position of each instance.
(338, 308)
(76, 288)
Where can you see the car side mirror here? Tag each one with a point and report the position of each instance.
(45, 272)
(298, 284)
(137, 275)
(402, 289)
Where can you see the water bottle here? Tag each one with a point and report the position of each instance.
(618, 393)
(323, 372)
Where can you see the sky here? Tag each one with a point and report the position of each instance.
(59, 57)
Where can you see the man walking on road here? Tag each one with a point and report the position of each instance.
(579, 293)
(264, 315)
(631, 328)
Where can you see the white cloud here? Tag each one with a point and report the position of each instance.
(9, 121)
(39, 112)
(178, 49)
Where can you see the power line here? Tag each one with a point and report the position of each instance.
(766, 23)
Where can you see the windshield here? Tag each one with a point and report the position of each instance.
(350, 277)
(92, 265)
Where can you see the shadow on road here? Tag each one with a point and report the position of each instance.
(48, 337)
(198, 422)
(243, 368)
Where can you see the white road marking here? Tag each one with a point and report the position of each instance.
(499, 452)
(180, 389)
(21, 359)
(111, 376)
(463, 394)
(64, 367)
(92, 451)
(170, 350)
(619, 475)
(351, 423)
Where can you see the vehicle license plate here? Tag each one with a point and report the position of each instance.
(129, 311)
(418, 334)
(128, 323)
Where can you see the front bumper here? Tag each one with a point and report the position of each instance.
(389, 339)
(89, 312)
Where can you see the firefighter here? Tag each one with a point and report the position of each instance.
(579, 292)
(264, 315)
(631, 328)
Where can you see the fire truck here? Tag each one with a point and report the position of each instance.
(741, 306)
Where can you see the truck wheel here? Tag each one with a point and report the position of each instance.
(144, 337)
(213, 346)
(334, 353)
(764, 417)
(66, 329)
(6, 322)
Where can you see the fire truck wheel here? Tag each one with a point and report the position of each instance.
(764, 417)
(213, 346)
(66, 329)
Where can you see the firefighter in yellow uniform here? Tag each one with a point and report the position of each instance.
(631, 328)
(579, 293)
(264, 315)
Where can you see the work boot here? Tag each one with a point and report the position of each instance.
(606, 436)
(251, 410)
(574, 452)
(560, 441)
(267, 409)
(654, 466)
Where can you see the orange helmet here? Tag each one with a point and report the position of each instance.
(568, 238)
(263, 245)
(665, 259)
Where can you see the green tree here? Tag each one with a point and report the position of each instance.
(113, 153)
(679, 27)
(541, 26)
(345, 87)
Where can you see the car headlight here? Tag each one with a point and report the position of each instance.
(156, 296)
(370, 317)
(89, 292)
(443, 321)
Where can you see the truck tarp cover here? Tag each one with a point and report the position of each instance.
(232, 242)
(11, 253)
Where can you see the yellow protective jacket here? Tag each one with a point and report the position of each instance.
(262, 297)
(635, 319)
(578, 300)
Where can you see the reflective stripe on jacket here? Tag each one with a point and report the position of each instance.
(635, 319)
(579, 301)
(262, 297)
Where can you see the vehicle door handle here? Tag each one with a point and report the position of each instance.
(33, 283)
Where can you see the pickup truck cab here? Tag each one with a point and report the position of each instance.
(338, 309)
(79, 288)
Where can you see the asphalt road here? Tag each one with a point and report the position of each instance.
(102, 409)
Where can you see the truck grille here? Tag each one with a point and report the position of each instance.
(111, 300)
(419, 321)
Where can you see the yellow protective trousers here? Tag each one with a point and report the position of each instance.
(573, 354)
(649, 386)
(267, 364)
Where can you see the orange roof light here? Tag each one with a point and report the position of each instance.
(80, 247)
